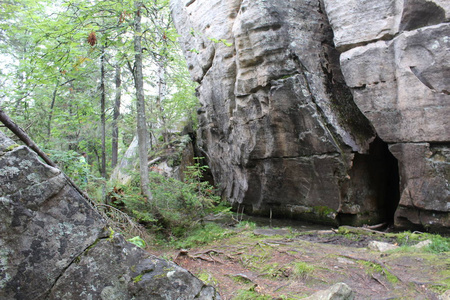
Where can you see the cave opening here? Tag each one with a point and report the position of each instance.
(390, 197)
(374, 186)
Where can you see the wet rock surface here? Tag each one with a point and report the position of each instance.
(54, 245)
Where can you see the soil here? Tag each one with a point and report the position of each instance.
(287, 264)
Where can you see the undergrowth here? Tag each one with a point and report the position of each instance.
(177, 209)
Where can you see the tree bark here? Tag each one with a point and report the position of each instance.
(50, 115)
(103, 111)
(6, 120)
(162, 91)
(116, 115)
(142, 131)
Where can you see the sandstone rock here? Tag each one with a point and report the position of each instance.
(425, 193)
(423, 244)
(357, 23)
(398, 70)
(402, 85)
(54, 245)
(339, 291)
(381, 246)
(278, 125)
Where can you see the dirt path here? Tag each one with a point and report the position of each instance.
(292, 266)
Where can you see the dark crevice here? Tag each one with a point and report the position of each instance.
(190, 2)
(75, 260)
(207, 67)
(378, 173)
(386, 37)
(325, 154)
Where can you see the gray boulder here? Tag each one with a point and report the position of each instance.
(54, 244)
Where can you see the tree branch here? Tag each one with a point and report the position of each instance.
(20, 133)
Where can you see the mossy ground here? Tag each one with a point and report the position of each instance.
(244, 265)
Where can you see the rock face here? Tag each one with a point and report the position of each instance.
(54, 245)
(396, 61)
(278, 124)
(288, 133)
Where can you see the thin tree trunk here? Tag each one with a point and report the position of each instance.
(6, 120)
(162, 91)
(50, 115)
(116, 115)
(141, 118)
(103, 109)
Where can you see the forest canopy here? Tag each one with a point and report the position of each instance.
(68, 75)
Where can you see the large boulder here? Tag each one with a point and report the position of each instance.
(278, 124)
(396, 62)
(54, 244)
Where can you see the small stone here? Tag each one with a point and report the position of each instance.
(445, 296)
(381, 246)
(339, 291)
(423, 244)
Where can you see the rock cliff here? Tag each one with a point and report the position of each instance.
(309, 108)
(395, 59)
(54, 244)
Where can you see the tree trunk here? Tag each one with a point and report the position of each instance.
(116, 115)
(50, 115)
(140, 107)
(103, 109)
(6, 120)
(162, 91)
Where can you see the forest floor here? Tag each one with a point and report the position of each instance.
(284, 263)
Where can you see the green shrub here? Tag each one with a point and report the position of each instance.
(202, 234)
(439, 244)
(176, 207)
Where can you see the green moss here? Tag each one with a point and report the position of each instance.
(323, 210)
(111, 234)
(138, 278)
(12, 147)
(302, 269)
(374, 267)
(91, 246)
(251, 295)
(207, 278)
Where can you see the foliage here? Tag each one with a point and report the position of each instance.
(71, 164)
(247, 225)
(138, 241)
(176, 208)
(52, 52)
(406, 239)
(439, 244)
(200, 235)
